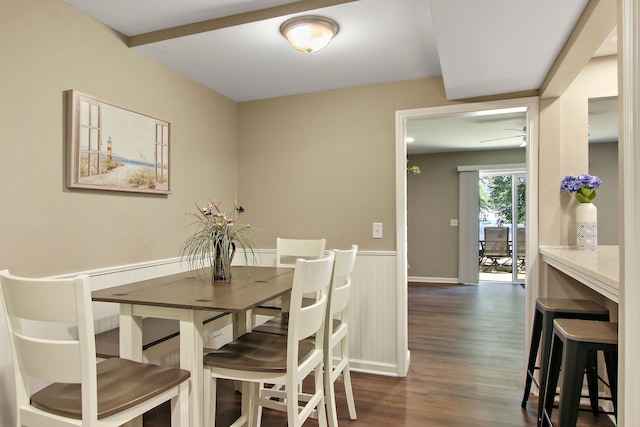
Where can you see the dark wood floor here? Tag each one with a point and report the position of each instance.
(467, 363)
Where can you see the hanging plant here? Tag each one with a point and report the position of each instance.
(413, 169)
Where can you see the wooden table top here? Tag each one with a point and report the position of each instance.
(250, 287)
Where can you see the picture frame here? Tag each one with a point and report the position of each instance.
(116, 149)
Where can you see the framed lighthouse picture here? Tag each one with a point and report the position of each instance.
(113, 148)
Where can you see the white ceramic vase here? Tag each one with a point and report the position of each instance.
(587, 227)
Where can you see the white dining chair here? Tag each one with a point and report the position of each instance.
(287, 252)
(337, 334)
(336, 339)
(77, 391)
(281, 360)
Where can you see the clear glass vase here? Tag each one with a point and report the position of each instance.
(222, 263)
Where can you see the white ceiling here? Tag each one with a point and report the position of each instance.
(479, 47)
(497, 129)
(469, 131)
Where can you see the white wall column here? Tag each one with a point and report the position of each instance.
(629, 101)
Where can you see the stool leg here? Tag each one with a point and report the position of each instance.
(533, 354)
(548, 394)
(611, 362)
(574, 362)
(592, 380)
(547, 336)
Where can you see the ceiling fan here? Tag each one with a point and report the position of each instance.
(522, 134)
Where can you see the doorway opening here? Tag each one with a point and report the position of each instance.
(502, 226)
(403, 117)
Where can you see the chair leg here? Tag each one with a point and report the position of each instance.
(321, 405)
(180, 406)
(210, 395)
(292, 406)
(592, 380)
(346, 378)
(611, 362)
(330, 395)
(547, 337)
(351, 404)
(574, 362)
(254, 417)
(548, 394)
(533, 353)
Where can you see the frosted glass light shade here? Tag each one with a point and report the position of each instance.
(309, 33)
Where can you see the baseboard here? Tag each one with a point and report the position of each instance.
(367, 367)
(453, 280)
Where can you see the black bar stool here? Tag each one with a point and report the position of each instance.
(574, 341)
(548, 309)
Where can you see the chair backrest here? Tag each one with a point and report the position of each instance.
(496, 241)
(55, 303)
(522, 241)
(289, 250)
(311, 277)
(340, 291)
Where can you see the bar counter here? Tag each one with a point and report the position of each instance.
(598, 270)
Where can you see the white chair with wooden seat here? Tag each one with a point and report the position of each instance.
(77, 391)
(335, 332)
(287, 252)
(284, 361)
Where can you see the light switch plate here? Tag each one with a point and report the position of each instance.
(454, 222)
(377, 230)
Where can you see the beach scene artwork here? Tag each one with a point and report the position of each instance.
(114, 148)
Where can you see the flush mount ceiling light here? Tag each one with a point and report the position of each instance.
(309, 33)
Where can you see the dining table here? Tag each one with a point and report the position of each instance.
(187, 297)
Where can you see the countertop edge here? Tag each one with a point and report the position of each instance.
(559, 258)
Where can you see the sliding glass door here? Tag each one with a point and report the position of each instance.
(502, 226)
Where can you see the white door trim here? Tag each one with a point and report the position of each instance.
(531, 103)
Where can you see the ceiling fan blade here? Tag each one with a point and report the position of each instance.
(505, 137)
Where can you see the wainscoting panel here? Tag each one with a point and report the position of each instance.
(373, 315)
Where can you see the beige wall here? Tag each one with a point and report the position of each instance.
(603, 162)
(564, 149)
(309, 165)
(432, 201)
(49, 47)
(323, 164)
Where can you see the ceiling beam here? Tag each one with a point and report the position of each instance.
(594, 25)
(231, 21)
(501, 96)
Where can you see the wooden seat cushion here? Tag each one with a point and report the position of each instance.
(280, 324)
(256, 352)
(566, 305)
(589, 331)
(277, 325)
(122, 384)
(276, 304)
